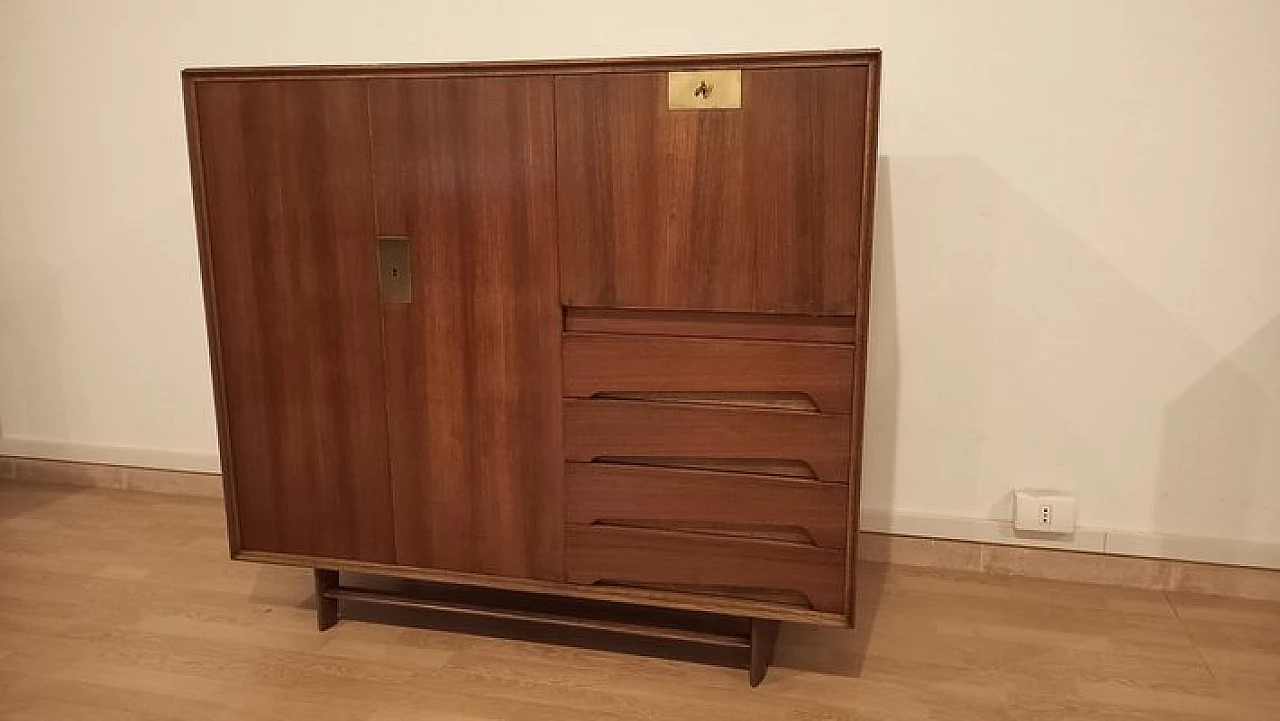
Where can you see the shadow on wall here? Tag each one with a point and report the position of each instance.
(827, 650)
(927, 375)
(1022, 356)
(880, 443)
(1220, 454)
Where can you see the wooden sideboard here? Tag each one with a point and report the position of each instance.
(585, 329)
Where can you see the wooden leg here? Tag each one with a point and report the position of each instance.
(764, 637)
(326, 608)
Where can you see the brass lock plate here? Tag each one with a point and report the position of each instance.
(393, 269)
(704, 90)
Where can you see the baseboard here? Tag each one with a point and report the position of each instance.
(1137, 560)
(1256, 554)
(1108, 569)
(103, 475)
(110, 455)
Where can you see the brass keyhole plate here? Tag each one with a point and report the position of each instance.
(704, 90)
(394, 277)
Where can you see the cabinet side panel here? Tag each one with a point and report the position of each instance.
(288, 234)
(465, 170)
(861, 349)
(195, 156)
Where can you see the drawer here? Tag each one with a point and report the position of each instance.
(665, 433)
(599, 364)
(698, 324)
(769, 570)
(745, 504)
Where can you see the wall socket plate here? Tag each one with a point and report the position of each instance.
(1044, 511)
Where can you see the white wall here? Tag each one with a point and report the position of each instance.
(1078, 279)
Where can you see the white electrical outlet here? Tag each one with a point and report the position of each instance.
(1044, 511)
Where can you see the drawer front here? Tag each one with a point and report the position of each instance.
(783, 572)
(610, 429)
(604, 363)
(809, 512)
(697, 324)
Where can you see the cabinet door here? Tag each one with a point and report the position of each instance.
(291, 280)
(465, 171)
(752, 209)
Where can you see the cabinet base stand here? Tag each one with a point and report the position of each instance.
(685, 635)
(326, 605)
(764, 637)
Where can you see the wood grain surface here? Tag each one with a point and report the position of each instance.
(286, 236)
(862, 314)
(465, 169)
(717, 565)
(723, 502)
(565, 66)
(600, 363)
(123, 605)
(757, 209)
(700, 324)
(603, 429)
(508, 179)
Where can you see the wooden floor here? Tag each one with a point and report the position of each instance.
(123, 605)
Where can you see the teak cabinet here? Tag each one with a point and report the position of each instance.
(566, 328)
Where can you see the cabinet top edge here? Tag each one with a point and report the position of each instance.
(567, 66)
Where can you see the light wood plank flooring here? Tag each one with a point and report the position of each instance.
(123, 605)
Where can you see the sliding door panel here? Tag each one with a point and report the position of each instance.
(465, 170)
(288, 203)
